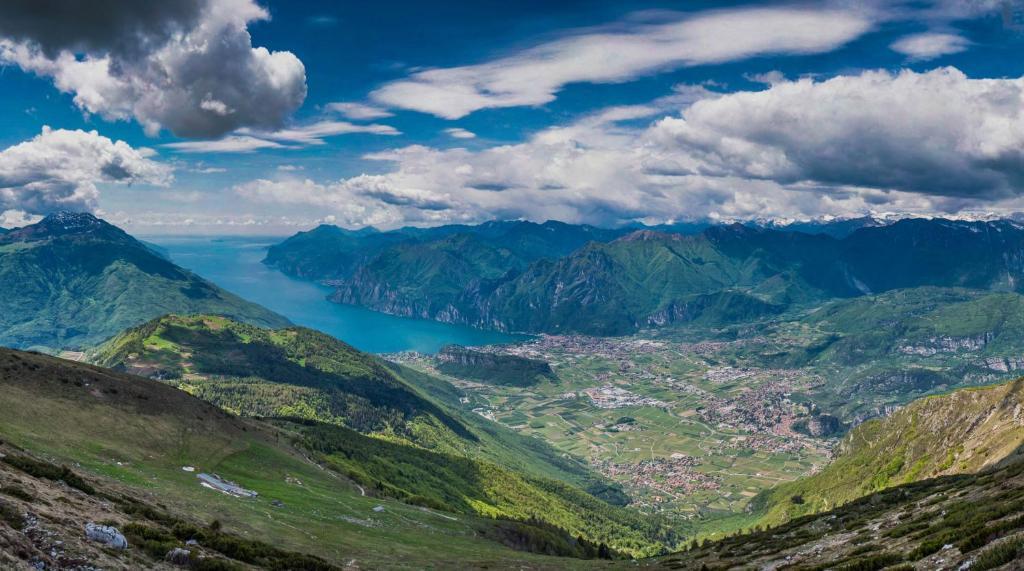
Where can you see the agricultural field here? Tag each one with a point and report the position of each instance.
(686, 438)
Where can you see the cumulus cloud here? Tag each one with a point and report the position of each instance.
(934, 142)
(930, 45)
(534, 76)
(938, 133)
(59, 169)
(189, 66)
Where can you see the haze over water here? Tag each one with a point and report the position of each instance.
(234, 264)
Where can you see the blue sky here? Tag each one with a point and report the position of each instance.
(236, 116)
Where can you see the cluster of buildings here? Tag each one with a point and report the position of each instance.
(672, 477)
(609, 396)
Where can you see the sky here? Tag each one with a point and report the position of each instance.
(269, 117)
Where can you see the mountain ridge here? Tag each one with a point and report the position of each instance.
(74, 280)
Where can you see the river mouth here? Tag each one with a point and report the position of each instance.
(235, 264)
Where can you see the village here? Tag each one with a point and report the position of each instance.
(678, 428)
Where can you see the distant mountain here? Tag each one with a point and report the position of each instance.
(73, 280)
(724, 274)
(837, 228)
(965, 431)
(329, 252)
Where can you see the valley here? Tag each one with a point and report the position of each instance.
(516, 449)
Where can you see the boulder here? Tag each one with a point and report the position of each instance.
(107, 535)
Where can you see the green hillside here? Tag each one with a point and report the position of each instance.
(72, 280)
(961, 432)
(293, 372)
(130, 437)
(303, 374)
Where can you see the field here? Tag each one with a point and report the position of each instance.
(686, 440)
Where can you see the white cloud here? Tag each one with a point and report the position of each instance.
(938, 133)
(59, 169)
(459, 133)
(934, 142)
(314, 133)
(17, 218)
(534, 76)
(930, 45)
(229, 144)
(249, 140)
(358, 111)
(189, 66)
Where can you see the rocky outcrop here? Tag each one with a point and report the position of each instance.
(947, 344)
(1004, 364)
(819, 426)
(107, 535)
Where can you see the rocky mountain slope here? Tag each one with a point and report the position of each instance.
(948, 523)
(73, 280)
(966, 431)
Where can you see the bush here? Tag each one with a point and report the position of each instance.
(49, 471)
(16, 491)
(11, 515)
(999, 555)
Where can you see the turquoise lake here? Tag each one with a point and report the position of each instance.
(234, 264)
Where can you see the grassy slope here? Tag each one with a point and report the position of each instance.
(301, 373)
(298, 372)
(965, 431)
(124, 432)
(73, 289)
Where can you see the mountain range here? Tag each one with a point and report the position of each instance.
(506, 276)
(73, 280)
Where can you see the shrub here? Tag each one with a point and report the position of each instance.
(999, 555)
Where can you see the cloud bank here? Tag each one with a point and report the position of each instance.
(906, 142)
(189, 67)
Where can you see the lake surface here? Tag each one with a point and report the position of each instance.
(234, 264)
